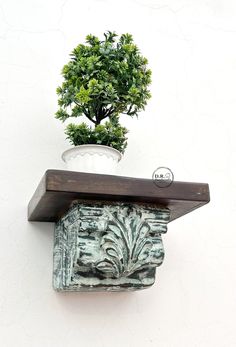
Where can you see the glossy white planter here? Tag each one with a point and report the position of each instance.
(92, 158)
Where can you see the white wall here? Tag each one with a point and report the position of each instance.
(188, 126)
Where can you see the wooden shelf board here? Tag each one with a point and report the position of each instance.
(58, 189)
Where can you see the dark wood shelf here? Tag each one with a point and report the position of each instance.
(58, 189)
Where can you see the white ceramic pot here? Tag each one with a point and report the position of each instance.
(92, 158)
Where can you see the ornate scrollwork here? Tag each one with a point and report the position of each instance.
(113, 246)
(128, 243)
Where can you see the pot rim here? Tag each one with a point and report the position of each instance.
(75, 148)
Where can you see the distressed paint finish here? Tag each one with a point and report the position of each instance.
(115, 246)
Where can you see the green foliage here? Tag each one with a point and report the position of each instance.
(102, 80)
(110, 134)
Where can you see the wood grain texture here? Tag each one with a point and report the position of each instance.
(58, 189)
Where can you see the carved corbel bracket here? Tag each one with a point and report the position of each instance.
(108, 246)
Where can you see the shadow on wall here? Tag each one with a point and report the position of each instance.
(96, 303)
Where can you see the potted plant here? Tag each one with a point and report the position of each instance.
(103, 79)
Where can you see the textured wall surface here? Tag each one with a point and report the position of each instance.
(189, 126)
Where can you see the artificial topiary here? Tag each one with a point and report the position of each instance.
(102, 80)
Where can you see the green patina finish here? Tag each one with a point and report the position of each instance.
(114, 247)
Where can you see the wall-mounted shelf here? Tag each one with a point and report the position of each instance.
(58, 189)
(108, 233)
